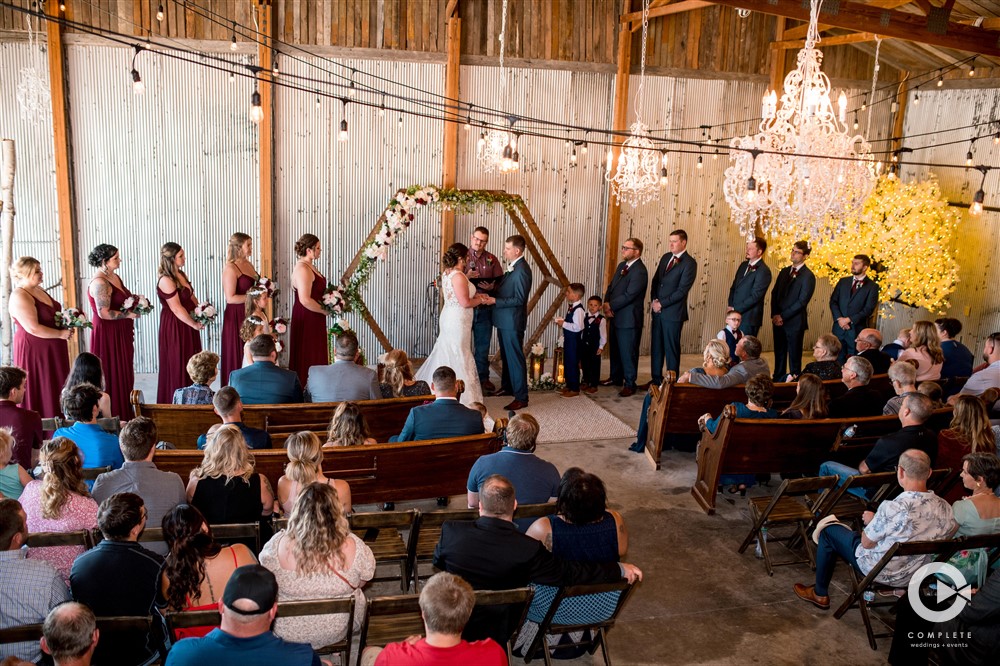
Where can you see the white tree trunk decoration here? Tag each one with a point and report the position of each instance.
(7, 164)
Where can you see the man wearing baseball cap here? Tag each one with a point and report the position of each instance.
(244, 637)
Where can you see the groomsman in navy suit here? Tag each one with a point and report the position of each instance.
(510, 317)
(852, 303)
(746, 295)
(674, 278)
(623, 307)
(789, 300)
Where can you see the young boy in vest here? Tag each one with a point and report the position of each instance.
(731, 334)
(592, 342)
(572, 329)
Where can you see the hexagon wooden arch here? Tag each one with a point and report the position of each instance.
(537, 246)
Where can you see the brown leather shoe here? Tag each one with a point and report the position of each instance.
(566, 393)
(808, 593)
(626, 392)
(609, 382)
(590, 389)
(499, 392)
(488, 387)
(515, 405)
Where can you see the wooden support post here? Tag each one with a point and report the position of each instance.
(899, 118)
(449, 175)
(618, 124)
(265, 134)
(778, 57)
(64, 177)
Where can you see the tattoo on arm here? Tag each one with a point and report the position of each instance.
(102, 297)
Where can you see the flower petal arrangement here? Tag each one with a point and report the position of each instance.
(137, 304)
(279, 325)
(204, 313)
(267, 284)
(333, 300)
(72, 318)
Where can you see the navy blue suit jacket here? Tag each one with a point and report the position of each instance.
(264, 383)
(746, 294)
(671, 287)
(441, 418)
(626, 295)
(790, 297)
(511, 309)
(858, 307)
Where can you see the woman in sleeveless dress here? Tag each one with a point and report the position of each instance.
(238, 277)
(454, 344)
(113, 339)
(180, 334)
(39, 347)
(307, 342)
(305, 466)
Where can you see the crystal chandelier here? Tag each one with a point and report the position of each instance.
(33, 93)
(803, 166)
(496, 149)
(637, 179)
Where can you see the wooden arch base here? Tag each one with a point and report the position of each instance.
(537, 247)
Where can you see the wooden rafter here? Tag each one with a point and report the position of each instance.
(799, 32)
(663, 9)
(851, 38)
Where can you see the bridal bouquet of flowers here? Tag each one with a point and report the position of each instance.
(204, 313)
(279, 325)
(72, 318)
(333, 300)
(268, 284)
(138, 304)
(340, 325)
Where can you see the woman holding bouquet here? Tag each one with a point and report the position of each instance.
(179, 332)
(113, 340)
(238, 277)
(39, 346)
(307, 343)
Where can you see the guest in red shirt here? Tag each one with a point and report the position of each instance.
(25, 425)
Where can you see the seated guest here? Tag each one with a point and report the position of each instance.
(29, 589)
(13, 477)
(868, 344)
(98, 448)
(229, 406)
(916, 514)
(196, 565)
(988, 377)
(925, 349)
(119, 577)
(70, 634)
(933, 391)
(87, 369)
(25, 425)
(860, 399)
(488, 422)
(264, 383)
(248, 606)
(977, 514)
(810, 399)
(958, 360)
(748, 350)
(225, 487)
(731, 334)
(202, 368)
(969, 432)
(348, 427)
(318, 557)
(160, 491)
(446, 602)
(59, 502)
(343, 379)
(536, 480)
(399, 379)
(445, 417)
(825, 351)
(901, 342)
(305, 466)
(903, 378)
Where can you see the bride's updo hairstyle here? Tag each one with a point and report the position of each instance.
(305, 243)
(455, 253)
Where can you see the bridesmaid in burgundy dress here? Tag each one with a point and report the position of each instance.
(237, 278)
(113, 339)
(307, 344)
(39, 347)
(180, 336)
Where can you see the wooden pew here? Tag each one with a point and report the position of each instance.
(389, 472)
(758, 446)
(675, 408)
(182, 424)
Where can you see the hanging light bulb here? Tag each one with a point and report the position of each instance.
(663, 176)
(940, 81)
(977, 203)
(159, 13)
(232, 44)
(972, 70)
(608, 160)
(274, 65)
(572, 156)
(663, 159)
(968, 159)
(892, 172)
(699, 165)
(351, 90)
(317, 102)
(842, 106)
(916, 98)
(400, 122)
(507, 164)
(468, 123)
(583, 148)
(996, 138)
(864, 102)
(481, 142)
(232, 77)
(715, 155)
(751, 188)
(62, 6)
(256, 110)
(137, 85)
(343, 136)
(855, 120)
(567, 144)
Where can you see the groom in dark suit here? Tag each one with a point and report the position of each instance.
(789, 301)
(510, 317)
(623, 306)
(675, 275)
(746, 294)
(852, 304)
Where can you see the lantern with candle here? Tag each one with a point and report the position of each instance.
(536, 362)
(558, 366)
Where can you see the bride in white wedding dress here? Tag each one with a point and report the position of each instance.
(454, 344)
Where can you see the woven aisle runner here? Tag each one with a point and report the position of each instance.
(561, 419)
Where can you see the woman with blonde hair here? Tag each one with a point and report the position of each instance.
(925, 349)
(238, 276)
(399, 379)
(348, 427)
(318, 557)
(59, 502)
(970, 431)
(180, 334)
(225, 487)
(305, 466)
(715, 358)
(40, 348)
(13, 477)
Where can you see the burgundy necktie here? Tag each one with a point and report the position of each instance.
(855, 287)
(671, 263)
(795, 272)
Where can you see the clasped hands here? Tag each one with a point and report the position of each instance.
(484, 299)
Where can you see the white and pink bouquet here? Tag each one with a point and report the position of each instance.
(279, 325)
(267, 284)
(333, 300)
(72, 318)
(204, 313)
(138, 304)
(341, 325)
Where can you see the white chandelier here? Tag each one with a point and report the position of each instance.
(638, 177)
(496, 149)
(802, 168)
(33, 93)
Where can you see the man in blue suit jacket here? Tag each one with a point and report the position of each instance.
(445, 417)
(674, 278)
(510, 317)
(264, 383)
(852, 303)
(623, 306)
(789, 301)
(746, 294)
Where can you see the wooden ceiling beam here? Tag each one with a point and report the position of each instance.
(889, 22)
(635, 18)
(850, 38)
(799, 32)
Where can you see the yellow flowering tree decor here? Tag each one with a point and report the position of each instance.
(907, 229)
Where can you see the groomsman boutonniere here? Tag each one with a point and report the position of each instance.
(753, 268)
